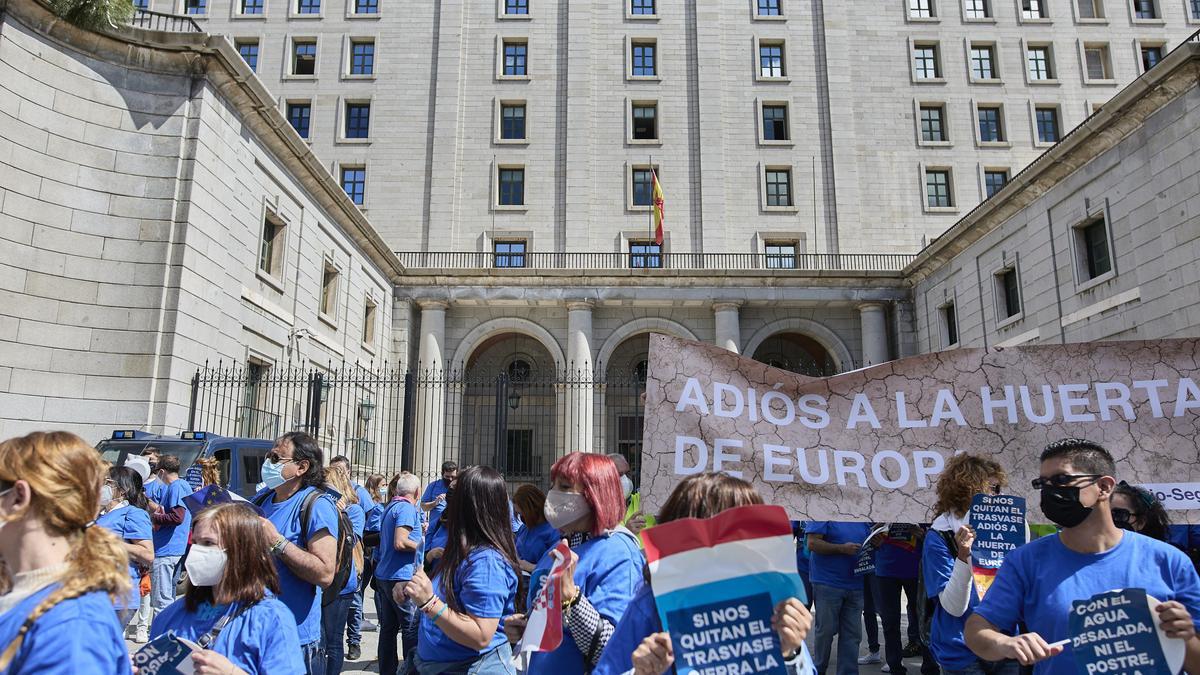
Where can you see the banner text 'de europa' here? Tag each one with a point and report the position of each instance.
(870, 444)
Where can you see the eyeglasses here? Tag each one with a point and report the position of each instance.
(1064, 480)
(274, 458)
(1121, 516)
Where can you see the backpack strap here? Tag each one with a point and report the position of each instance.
(211, 636)
(306, 513)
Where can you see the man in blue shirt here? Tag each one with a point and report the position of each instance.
(356, 623)
(433, 501)
(305, 558)
(1038, 582)
(837, 593)
(399, 540)
(172, 521)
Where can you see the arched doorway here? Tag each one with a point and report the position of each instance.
(622, 411)
(798, 353)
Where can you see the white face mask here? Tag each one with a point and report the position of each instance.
(205, 565)
(564, 508)
(626, 486)
(106, 495)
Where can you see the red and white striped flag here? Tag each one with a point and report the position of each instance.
(543, 630)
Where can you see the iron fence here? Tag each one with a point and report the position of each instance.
(770, 263)
(171, 23)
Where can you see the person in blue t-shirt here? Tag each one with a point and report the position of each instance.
(802, 560)
(336, 612)
(56, 617)
(123, 512)
(356, 622)
(172, 522)
(473, 585)
(896, 572)
(586, 505)
(946, 564)
(306, 559)
(837, 593)
(231, 606)
(537, 536)
(433, 500)
(1038, 582)
(399, 541)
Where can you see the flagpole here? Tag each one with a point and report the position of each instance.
(653, 177)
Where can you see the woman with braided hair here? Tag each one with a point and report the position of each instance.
(60, 571)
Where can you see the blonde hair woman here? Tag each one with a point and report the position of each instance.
(61, 572)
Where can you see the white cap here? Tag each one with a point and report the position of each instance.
(139, 464)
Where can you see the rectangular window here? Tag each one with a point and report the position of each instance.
(354, 182)
(252, 6)
(514, 58)
(362, 57)
(645, 121)
(509, 253)
(516, 7)
(1145, 9)
(270, 255)
(643, 187)
(512, 121)
(937, 188)
(1033, 9)
(991, 124)
(926, 63)
(512, 187)
(921, 9)
(1091, 241)
(1010, 293)
(770, 60)
(775, 122)
(1090, 9)
(1098, 65)
(781, 255)
(643, 59)
(1194, 5)
(368, 327)
(977, 9)
(1038, 60)
(366, 6)
(779, 187)
(933, 127)
(141, 4)
(358, 120)
(300, 114)
(304, 57)
(994, 180)
(1150, 57)
(1047, 124)
(329, 289)
(195, 6)
(308, 6)
(982, 63)
(949, 324)
(641, 7)
(248, 49)
(769, 8)
(645, 254)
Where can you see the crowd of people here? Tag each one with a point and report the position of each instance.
(94, 554)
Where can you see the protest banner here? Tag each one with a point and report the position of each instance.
(1117, 632)
(716, 583)
(543, 630)
(868, 445)
(165, 655)
(999, 522)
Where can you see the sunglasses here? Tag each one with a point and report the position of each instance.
(1065, 480)
(274, 458)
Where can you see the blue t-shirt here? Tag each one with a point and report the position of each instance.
(78, 636)
(153, 489)
(609, 572)
(1184, 537)
(835, 570)
(130, 524)
(435, 519)
(533, 542)
(303, 598)
(486, 585)
(171, 540)
(364, 497)
(639, 621)
(397, 565)
(946, 642)
(358, 520)
(262, 639)
(437, 487)
(894, 561)
(1038, 581)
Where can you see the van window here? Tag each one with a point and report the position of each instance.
(223, 457)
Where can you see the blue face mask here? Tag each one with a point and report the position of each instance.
(272, 474)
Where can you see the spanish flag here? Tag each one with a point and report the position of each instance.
(659, 212)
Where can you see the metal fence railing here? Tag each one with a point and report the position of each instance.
(770, 263)
(171, 23)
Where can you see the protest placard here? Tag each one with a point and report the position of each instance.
(165, 655)
(864, 560)
(999, 522)
(716, 583)
(868, 445)
(1117, 632)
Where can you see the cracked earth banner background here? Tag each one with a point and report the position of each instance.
(869, 444)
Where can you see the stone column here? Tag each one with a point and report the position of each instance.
(429, 437)
(729, 329)
(874, 333)
(580, 378)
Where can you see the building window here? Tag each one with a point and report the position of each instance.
(195, 6)
(779, 187)
(643, 59)
(645, 121)
(270, 255)
(933, 127)
(775, 122)
(1038, 60)
(358, 120)
(1009, 289)
(329, 289)
(949, 324)
(769, 8)
(1090, 9)
(982, 63)
(304, 57)
(1033, 9)
(512, 121)
(1091, 245)
(977, 9)
(1145, 9)
(509, 253)
(514, 58)
(926, 63)
(994, 180)
(643, 186)
(141, 4)
(781, 255)
(991, 124)
(645, 254)
(921, 9)
(641, 7)
(1096, 60)
(366, 6)
(354, 182)
(516, 7)
(308, 6)
(252, 6)
(248, 49)
(1151, 56)
(300, 115)
(511, 187)
(368, 327)
(770, 60)
(937, 188)
(362, 57)
(1194, 5)
(1047, 124)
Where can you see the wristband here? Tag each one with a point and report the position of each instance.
(440, 613)
(425, 605)
(278, 546)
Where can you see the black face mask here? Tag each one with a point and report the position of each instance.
(1062, 506)
(1123, 519)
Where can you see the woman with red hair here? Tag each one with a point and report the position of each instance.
(586, 504)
